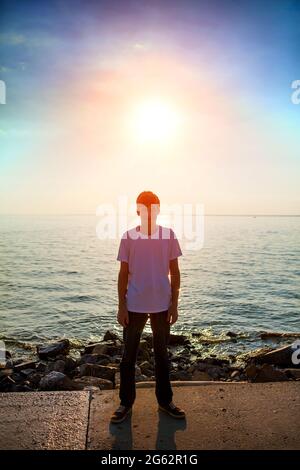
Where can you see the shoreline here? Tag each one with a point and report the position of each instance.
(96, 365)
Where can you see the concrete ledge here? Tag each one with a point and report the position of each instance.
(224, 415)
(44, 420)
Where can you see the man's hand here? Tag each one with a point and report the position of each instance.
(172, 314)
(123, 317)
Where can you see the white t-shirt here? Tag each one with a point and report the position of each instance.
(148, 258)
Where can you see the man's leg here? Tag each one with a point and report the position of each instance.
(161, 334)
(131, 336)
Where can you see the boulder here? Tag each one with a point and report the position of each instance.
(23, 388)
(235, 375)
(57, 366)
(231, 334)
(47, 351)
(216, 372)
(5, 372)
(180, 375)
(279, 357)
(293, 373)
(87, 381)
(57, 381)
(34, 379)
(70, 363)
(149, 338)
(41, 366)
(200, 375)
(7, 384)
(105, 347)
(251, 371)
(178, 340)
(103, 359)
(27, 372)
(145, 367)
(25, 365)
(141, 378)
(96, 370)
(143, 351)
(111, 335)
(268, 373)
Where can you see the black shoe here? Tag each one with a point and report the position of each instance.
(120, 414)
(172, 410)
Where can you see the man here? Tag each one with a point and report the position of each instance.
(148, 255)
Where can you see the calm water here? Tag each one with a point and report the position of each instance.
(57, 279)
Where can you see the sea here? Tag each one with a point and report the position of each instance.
(58, 279)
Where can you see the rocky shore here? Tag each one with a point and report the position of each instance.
(54, 368)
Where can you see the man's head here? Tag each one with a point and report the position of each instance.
(148, 204)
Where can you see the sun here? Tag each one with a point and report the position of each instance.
(154, 120)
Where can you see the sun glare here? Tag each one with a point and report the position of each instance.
(154, 121)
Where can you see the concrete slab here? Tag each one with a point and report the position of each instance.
(219, 416)
(46, 420)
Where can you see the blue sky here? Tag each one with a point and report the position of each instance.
(243, 55)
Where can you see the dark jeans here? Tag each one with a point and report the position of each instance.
(131, 335)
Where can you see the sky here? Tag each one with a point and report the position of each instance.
(191, 100)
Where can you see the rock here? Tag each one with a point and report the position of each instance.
(86, 381)
(231, 334)
(103, 359)
(202, 366)
(110, 335)
(251, 371)
(137, 371)
(235, 374)
(178, 340)
(141, 378)
(268, 373)
(199, 375)
(53, 349)
(106, 347)
(149, 338)
(57, 381)
(34, 379)
(216, 372)
(5, 372)
(18, 377)
(23, 388)
(70, 363)
(27, 372)
(143, 351)
(279, 357)
(95, 370)
(41, 366)
(25, 365)
(145, 367)
(180, 375)
(7, 384)
(292, 373)
(57, 366)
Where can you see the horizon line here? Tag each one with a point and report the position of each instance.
(92, 214)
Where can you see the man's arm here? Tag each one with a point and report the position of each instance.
(175, 287)
(123, 318)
